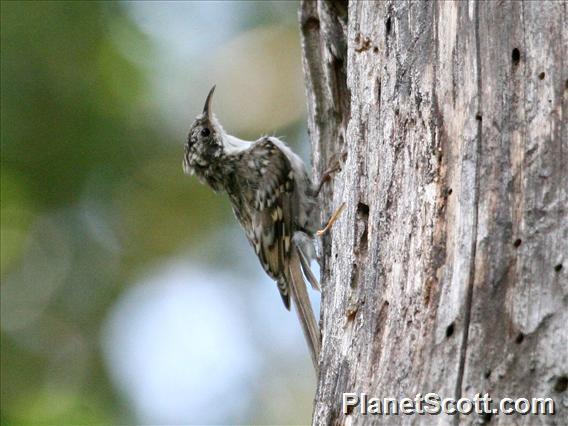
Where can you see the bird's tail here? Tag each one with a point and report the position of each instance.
(303, 306)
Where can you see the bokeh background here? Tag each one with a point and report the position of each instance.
(128, 293)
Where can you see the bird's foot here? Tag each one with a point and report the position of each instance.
(334, 166)
(331, 220)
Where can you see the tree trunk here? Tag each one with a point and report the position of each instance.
(447, 271)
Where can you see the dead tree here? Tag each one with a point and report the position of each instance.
(447, 270)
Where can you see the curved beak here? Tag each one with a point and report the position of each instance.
(207, 107)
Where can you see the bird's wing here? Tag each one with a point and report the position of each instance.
(269, 191)
(269, 194)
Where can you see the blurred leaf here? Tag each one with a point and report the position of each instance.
(163, 209)
(15, 217)
(66, 102)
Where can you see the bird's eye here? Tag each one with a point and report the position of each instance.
(205, 132)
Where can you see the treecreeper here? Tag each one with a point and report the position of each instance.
(274, 200)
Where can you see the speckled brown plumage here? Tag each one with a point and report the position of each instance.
(273, 199)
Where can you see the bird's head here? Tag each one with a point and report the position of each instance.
(204, 145)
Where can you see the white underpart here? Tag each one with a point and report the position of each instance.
(233, 145)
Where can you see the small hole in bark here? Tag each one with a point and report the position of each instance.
(487, 374)
(516, 56)
(396, 111)
(364, 240)
(517, 242)
(312, 24)
(561, 384)
(375, 49)
(487, 416)
(558, 267)
(354, 276)
(363, 209)
(450, 330)
(520, 338)
(541, 76)
(450, 191)
(478, 116)
(388, 25)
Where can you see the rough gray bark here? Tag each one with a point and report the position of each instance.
(447, 271)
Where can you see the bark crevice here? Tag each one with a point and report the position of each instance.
(468, 304)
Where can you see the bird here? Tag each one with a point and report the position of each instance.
(273, 199)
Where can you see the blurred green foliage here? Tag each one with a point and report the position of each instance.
(69, 99)
(86, 180)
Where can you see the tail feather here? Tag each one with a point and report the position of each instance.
(299, 293)
(307, 270)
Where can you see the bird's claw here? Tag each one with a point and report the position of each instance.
(331, 220)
